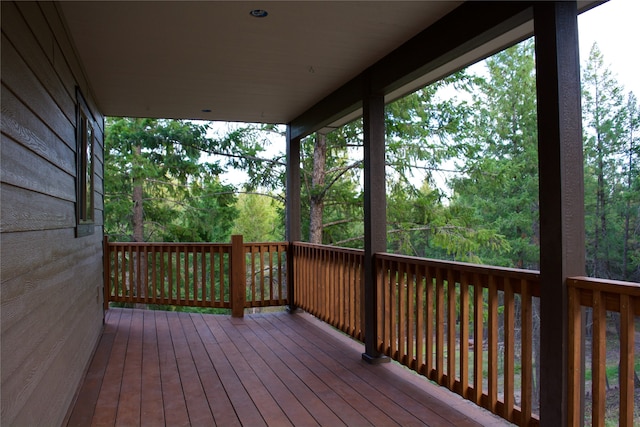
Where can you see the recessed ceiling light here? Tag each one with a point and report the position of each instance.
(258, 13)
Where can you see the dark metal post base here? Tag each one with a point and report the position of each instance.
(375, 360)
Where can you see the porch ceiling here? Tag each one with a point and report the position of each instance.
(174, 59)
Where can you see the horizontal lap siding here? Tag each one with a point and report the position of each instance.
(51, 307)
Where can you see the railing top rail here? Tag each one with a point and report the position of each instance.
(605, 285)
(195, 244)
(463, 266)
(266, 243)
(167, 244)
(329, 248)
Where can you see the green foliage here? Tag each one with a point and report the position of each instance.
(245, 148)
(259, 218)
(484, 127)
(419, 127)
(499, 189)
(182, 198)
(612, 192)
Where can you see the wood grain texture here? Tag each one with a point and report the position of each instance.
(31, 53)
(51, 308)
(265, 369)
(24, 210)
(23, 126)
(19, 78)
(22, 168)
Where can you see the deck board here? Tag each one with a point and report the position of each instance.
(165, 368)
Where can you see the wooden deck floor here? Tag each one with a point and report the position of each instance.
(156, 368)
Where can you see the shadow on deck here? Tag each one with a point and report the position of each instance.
(165, 368)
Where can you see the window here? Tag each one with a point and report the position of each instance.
(85, 135)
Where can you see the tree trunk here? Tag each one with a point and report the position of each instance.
(627, 213)
(138, 215)
(317, 189)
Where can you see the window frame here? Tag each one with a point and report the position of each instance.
(85, 167)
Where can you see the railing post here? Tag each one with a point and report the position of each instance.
(106, 270)
(291, 306)
(237, 276)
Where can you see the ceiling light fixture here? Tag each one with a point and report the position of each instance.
(258, 13)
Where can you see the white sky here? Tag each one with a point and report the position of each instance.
(615, 26)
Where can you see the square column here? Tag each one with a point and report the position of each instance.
(562, 242)
(375, 214)
(293, 230)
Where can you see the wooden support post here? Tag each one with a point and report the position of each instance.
(238, 276)
(375, 214)
(562, 244)
(293, 227)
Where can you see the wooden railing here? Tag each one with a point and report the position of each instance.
(467, 327)
(328, 284)
(212, 275)
(265, 274)
(473, 329)
(592, 338)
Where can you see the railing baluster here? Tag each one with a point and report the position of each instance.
(224, 285)
(178, 287)
(401, 313)
(270, 275)
(439, 327)
(353, 308)
(526, 353)
(451, 330)
(144, 267)
(464, 335)
(161, 283)
(478, 338)
(493, 344)
(126, 284)
(187, 291)
(598, 361)
(136, 275)
(627, 353)
(575, 336)
(429, 318)
(411, 321)
(193, 293)
(154, 275)
(331, 287)
(261, 266)
(253, 286)
(509, 353)
(420, 321)
(170, 274)
(281, 267)
(132, 284)
(392, 321)
(203, 268)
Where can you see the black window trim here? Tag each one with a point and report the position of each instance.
(85, 143)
